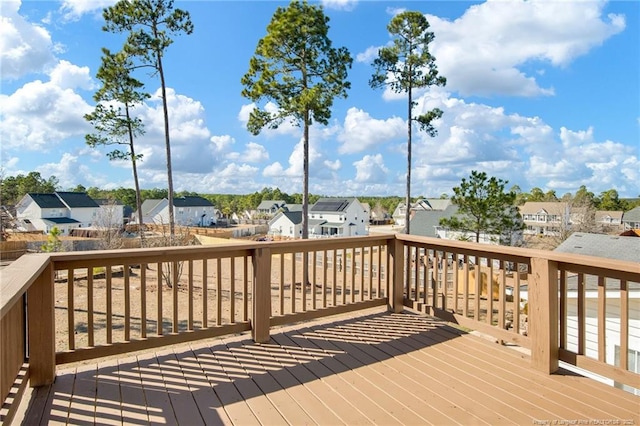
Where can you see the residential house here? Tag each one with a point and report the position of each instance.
(269, 208)
(612, 247)
(63, 210)
(337, 217)
(609, 221)
(286, 224)
(399, 214)
(631, 219)
(328, 217)
(545, 218)
(111, 214)
(426, 223)
(187, 211)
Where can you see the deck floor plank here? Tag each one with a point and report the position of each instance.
(425, 400)
(262, 407)
(529, 393)
(155, 391)
(379, 388)
(133, 402)
(286, 378)
(281, 399)
(358, 369)
(307, 372)
(108, 399)
(608, 400)
(209, 406)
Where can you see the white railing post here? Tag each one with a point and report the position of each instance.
(261, 298)
(543, 315)
(41, 320)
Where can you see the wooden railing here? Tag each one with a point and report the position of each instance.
(66, 307)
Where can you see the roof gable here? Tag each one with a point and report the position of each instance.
(47, 201)
(77, 199)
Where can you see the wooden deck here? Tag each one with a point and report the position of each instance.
(372, 368)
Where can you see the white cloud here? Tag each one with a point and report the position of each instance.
(69, 168)
(371, 169)
(347, 5)
(255, 153)
(73, 10)
(361, 132)
(287, 127)
(69, 76)
(481, 52)
(40, 115)
(25, 47)
(368, 55)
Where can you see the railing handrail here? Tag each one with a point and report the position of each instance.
(543, 266)
(17, 279)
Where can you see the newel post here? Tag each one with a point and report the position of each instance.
(543, 315)
(260, 320)
(396, 296)
(41, 321)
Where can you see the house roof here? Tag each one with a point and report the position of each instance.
(149, 205)
(535, 207)
(294, 217)
(424, 222)
(47, 201)
(269, 204)
(77, 199)
(632, 215)
(600, 214)
(191, 201)
(331, 204)
(60, 220)
(293, 207)
(609, 246)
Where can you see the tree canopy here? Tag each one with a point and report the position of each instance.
(484, 207)
(296, 68)
(403, 66)
(149, 25)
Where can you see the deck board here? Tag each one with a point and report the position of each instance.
(369, 368)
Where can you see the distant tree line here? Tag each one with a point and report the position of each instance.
(13, 188)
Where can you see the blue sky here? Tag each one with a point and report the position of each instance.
(540, 93)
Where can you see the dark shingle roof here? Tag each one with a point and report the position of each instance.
(294, 217)
(60, 220)
(192, 201)
(331, 204)
(77, 199)
(47, 201)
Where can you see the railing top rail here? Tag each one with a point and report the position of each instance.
(18, 277)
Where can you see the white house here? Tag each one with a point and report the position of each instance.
(269, 208)
(337, 217)
(187, 211)
(328, 217)
(420, 205)
(64, 210)
(111, 213)
(286, 224)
